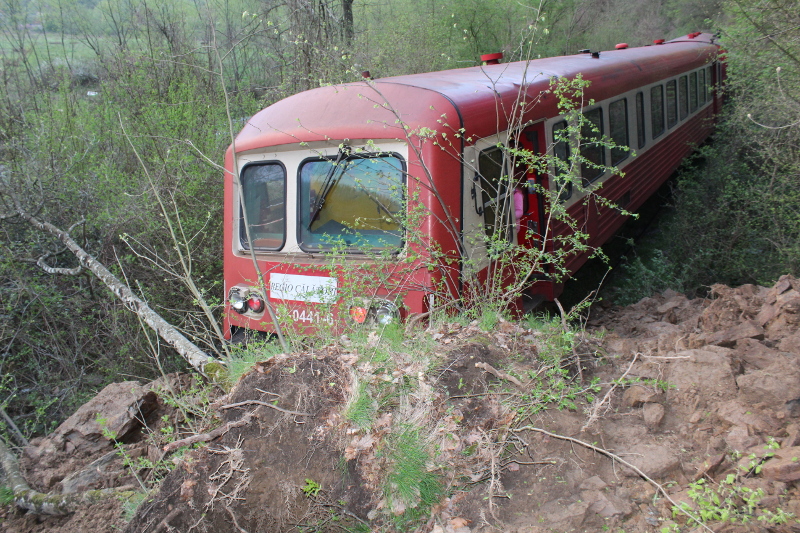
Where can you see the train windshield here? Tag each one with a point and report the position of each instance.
(264, 191)
(351, 202)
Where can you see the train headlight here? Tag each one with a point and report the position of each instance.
(385, 312)
(237, 301)
(243, 300)
(373, 312)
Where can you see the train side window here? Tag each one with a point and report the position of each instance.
(657, 110)
(264, 192)
(494, 184)
(683, 100)
(701, 83)
(561, 150)
(672, 104)
(640, 133)
(593, 152)
(709, 83)
(618, 129)
(693, 92)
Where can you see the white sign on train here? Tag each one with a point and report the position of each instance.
(299, 288)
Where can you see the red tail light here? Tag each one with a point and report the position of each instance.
(256, 303)
(358, 314)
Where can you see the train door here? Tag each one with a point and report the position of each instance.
(532, 221)
(487, 209)
(500, 204)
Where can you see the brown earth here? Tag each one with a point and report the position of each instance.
(711, 390)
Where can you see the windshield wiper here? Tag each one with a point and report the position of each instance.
(333, 176)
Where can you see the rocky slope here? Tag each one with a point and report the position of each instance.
(693, 400)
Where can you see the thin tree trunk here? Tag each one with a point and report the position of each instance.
(347, 21)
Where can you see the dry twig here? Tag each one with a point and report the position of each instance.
(265, 404)
(501, 375)
(594, 414)
(623, 462)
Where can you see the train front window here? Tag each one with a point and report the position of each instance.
(351, 202)
(264, 192)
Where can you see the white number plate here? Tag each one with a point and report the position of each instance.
(308, 316)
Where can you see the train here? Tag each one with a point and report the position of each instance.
(378, 200)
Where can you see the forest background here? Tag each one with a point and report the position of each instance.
(111, 109)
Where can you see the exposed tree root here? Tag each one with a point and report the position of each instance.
(211, 435)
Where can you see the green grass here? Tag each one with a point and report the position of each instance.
(245, 356)
(362, 407)
(51, 45)
(410, 485)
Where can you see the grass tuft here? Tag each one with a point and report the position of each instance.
(247, 355)
(411, 487)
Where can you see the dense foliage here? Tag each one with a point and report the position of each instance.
(736, 218)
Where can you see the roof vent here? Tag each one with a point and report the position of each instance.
(658, 41)
(596, 55)
(585, 51)
(366, 75)
(621, 46)
(492, 59)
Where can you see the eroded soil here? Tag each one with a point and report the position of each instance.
(710, 390)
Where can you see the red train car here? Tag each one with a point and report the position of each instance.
(347, 171)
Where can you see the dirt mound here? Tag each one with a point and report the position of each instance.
(693, 402)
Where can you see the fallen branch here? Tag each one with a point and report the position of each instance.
(211, 435)
(49, 504)
(13, 429)
(595, 411)
(186, 348)
(623, 462)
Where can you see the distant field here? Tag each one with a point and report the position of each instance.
(49, 45)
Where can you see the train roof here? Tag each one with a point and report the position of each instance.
(478, 99)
